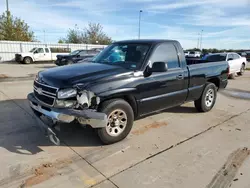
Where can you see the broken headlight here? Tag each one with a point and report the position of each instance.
(66, 93)
(87, 99)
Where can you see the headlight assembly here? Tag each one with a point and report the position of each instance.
(64, 103)
(66, 93)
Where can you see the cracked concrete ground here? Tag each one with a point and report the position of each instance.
(176, 148)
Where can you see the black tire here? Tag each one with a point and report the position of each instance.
(242, 70)
(201, 103)
(108, 107)
(27, 60)
(232, 76)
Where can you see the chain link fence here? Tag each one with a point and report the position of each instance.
(8, 49)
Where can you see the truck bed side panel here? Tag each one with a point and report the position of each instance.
(199, 74)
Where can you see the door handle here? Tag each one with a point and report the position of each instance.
(179, 77)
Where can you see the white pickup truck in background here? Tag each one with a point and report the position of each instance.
(40, 54)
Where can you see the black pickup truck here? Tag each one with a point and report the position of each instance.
(127, 80)
(75, 57)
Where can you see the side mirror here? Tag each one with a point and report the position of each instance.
(159, 67)
(35, 52)
(78, 55)
(230, 59)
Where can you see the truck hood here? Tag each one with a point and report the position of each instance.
(82, 73)
(73, 57)
(25, 54)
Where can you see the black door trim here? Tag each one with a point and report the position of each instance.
(164, 95)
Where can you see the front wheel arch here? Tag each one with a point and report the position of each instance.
(130, 99)
(32, 60)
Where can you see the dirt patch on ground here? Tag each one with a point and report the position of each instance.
(144, 129)
(3, 76)
(45, 172)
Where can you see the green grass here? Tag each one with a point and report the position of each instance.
(248, 69)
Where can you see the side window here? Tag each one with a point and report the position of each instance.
(46, 50)
(40, 50)
(166, 53)
(82, 53)
(236, 56)
(230, 56)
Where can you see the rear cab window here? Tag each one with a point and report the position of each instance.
(46, 50)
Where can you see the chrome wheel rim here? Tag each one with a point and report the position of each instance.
(28, 60)
(117, 122)
(209, 98)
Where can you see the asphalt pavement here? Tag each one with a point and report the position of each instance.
(176, 148)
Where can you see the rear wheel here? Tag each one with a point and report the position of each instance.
(207, 100)
(231, 76)
(27, 60)
(120, 121)
(242, 70)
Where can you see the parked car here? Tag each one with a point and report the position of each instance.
(242, 54)
(186, 53)
(237, 64)
(97, 49)
(110, 93)
(248, 55)
(75, 57)
(194, 54)
(40, 54)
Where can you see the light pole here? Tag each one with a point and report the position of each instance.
(139, 34)
(44, 36)
(201, 40)
(198, 42)
(7, 5)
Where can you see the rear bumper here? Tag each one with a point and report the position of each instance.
(90, 117)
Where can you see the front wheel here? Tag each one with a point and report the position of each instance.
(207, 100)
(242, 70)
(120, 121)
(27, 60)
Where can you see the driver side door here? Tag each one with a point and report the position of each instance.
(163, 90)
(39, 54)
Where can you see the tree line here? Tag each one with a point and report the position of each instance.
(93, 34)
(15, 29)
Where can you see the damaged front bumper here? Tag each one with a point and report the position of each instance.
(90, 117)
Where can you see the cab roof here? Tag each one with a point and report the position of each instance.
(145, 41)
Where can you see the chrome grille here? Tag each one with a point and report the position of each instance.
(44, 93)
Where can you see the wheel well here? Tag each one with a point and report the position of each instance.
(244, 63)
(129, 99)
(215, 81)
(28, 57)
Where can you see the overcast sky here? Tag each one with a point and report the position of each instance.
(226, 23)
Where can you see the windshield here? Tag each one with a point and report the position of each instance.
(129, 56)
(32, 50)
(192, 53)
(74, 52)
(216, 57)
